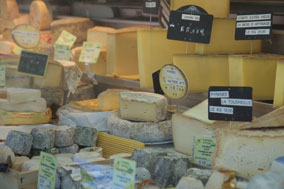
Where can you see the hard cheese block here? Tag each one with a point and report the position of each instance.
(203, 71)
(20, 95)
(154, 51)
(223, 40)
(40, 16)
(109, 99)
(97, 68)
(99, 34)
(9, 9)
(246, 70)
(34, 106)
(279, 85)
(142, 106)
(140, 131)
(76, 26)
(25, 118)
(219, 8)
(247, 152)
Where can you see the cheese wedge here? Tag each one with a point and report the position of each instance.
(246, 70)
(9, 9)
(247, 152)
(224, 42)
(99, 34)
(34, 106)
(218, 8)
(40, 16)
(279, 85)
(203, 71)
(109, 99)
(154, 51)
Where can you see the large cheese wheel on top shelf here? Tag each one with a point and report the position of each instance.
(9, 9)
(40, 16)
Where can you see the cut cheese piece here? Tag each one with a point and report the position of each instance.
(99, 34)
(142, 106)
(86, 105)
(272, 119)
(20, 95)
(218, 8)
(9, 9)
(25, 118)
(193, 122)
(97, 68)
(203, 71)
(109, 99)
(279, 85)
(76, 26)
(16, 79)
(40, 16)
(35, 106)
(140, 131)
(6, 47)
(154, 51)
(224, 42)
(247, 152)
(246, 70)
(122, 58)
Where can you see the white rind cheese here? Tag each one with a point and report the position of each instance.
(142, 106)
(140, 131)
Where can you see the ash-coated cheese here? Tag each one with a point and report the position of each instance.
(86, 136)
(69, 149)
(19, 142)
(140, 131)
(34, 106)
(64, 136)
(21, 95)
(142, 106)
(43, 138)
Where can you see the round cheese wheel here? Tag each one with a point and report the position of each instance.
(40, 16)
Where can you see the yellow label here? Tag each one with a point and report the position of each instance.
(61, 52)
(17, 50)
(90, 52)
(66, 38)
(26, 36)
(173, 82)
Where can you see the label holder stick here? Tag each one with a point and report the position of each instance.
(90, 74)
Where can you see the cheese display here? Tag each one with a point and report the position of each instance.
(140, 131)
(99, 34)
(142, 106)
(9, 9)
(224, 42)
(203, 71)
(279, 85)
(40, 16)
(218, 8)
(246, 70)
(97, 68)
(154, 51)
(109, 99)
(247, 152)
(20, 95)
(38, 105)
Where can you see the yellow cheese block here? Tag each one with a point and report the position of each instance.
(279, 85)
(98, 68)
(257, 71)
(154, 51)
(203, 71)
(218, 8)
(25, 118)
(122, 58)
(223, 40)
(40, 16)
(109, 99)
(9, 9)
(99, 34)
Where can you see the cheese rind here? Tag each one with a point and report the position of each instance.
(142, 106)
(21, 95)
(279, 85)
(109, 99)
(34, 106)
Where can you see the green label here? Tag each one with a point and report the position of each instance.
(61, 52)
(203, 149)
(66, 38)
(47, 171)
(2, 75)
(90, 52)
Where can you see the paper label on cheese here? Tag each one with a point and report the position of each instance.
(173, 82)
(203, 149)
(90, 52)
(61, 52)
(47, 171)
(66, 39)
(26, 36)
(74, 79)
(2, 75)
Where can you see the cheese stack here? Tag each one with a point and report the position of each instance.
(20, 106)
(141, 117)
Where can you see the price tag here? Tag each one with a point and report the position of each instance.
(253, 26)
(190, 26)
(203, 149)
(66, 39)
(61, 52)
(90, 52)
(151, 6)
(26, 36)
(74, 79)
(33, 63)
(124, 171)
(173, 82)
(47, 171)
(2, 75)
(230, 103)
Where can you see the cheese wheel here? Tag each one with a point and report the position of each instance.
(9, 9)
(40, 17)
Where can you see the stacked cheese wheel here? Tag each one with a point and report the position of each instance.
(40, 16)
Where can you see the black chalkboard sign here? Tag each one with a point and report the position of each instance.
(151, 6)
(253, 26)
(33, 63)
(184, 26)
(156, 83)
(230, 103)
